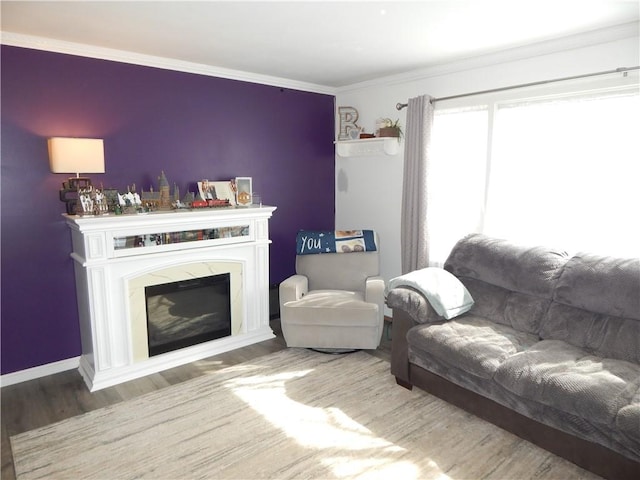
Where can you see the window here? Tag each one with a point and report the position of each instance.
(457, 176)
(561, 171)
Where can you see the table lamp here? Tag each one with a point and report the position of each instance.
(75, 155)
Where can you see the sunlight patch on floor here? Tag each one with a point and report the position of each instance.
(362, 453)
(372, 468)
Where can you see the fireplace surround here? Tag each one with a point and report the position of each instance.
(116, 258)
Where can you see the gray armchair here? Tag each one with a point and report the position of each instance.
(335, 301)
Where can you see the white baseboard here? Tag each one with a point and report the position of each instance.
(38, 372)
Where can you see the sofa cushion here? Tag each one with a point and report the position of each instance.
(606, 285)
(511, 284)
(530, 270)
(600, 334)
(518, 310)
(596, 306)
(470, 343)
(567, 378)
(628, 419)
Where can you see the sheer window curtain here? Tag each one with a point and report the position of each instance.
(457, 178)
(566, 172)
(414, 235)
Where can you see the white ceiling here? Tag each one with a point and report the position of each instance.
(325, 43)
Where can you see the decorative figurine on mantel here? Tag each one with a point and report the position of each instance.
(92, 201)
(164, 199)
(130, 202)
(161, 200)
(185, 203)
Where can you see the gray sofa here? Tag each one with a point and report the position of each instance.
(550, 349)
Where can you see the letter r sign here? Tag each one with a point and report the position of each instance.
(348, 118)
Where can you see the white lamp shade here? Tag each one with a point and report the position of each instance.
(76, 155)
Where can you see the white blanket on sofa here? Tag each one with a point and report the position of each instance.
(446, 294)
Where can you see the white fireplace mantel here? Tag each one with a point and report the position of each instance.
(113, 254)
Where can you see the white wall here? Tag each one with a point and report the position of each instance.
(369, 189)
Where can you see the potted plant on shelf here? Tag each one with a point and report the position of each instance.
(389, 128)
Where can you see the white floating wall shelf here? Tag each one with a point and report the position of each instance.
(368, 147)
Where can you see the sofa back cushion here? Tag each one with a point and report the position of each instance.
(596, 306)
(511, 284)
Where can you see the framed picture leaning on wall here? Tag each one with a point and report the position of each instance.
(217, 190)
(244, 195)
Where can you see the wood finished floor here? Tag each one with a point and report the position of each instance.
(47, 400)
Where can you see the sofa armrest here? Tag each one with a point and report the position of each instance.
(293, 288)
(374, 293)
(400, 325)
(410, 308)
(413, 303)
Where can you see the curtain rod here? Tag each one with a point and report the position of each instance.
(400, 106)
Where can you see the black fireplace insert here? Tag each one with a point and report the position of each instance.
(188, 312)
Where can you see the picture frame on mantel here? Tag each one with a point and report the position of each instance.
(221, 190)
(244, 192)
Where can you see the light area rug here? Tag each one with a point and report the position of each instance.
(291, 414)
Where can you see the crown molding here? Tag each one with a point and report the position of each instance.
(595, 37)
(586, 39)
(102, 53)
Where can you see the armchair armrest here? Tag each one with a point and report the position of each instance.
(293, 288)
(374, 293)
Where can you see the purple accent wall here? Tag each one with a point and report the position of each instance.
(191, 126)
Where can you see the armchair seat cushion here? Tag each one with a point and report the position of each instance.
(331, 308)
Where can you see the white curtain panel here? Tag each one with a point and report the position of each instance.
(414, 235)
